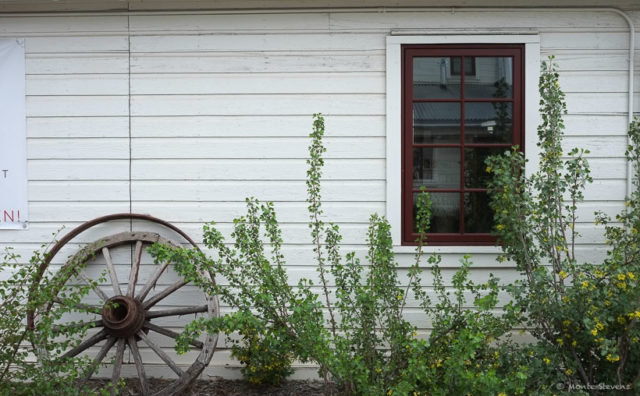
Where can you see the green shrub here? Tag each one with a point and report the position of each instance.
(352, 324)
(25, 290)
(584, 315)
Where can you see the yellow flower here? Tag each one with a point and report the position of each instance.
(598, 273)
(599, 325)
(634, 315)
(400, 296)
(613, 358)
(621, 320)
(585, 284)
(390, 391)
(546, 360)
(502, 394)
(566, 323)
(631, 275)
(378, 370)
(594, 332)
(488, 169)
(621, 277)
(634, 339)
(560, 341)
(568, 371)
(622, 285)
(562, 274)
(574, 343)
(500, 227)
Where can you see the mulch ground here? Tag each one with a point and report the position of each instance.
(224, 387)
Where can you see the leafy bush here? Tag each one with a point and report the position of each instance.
(353, 328)
(43, 370)
(584, 315)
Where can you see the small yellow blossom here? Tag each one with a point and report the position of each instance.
(585, 284)
(566, 323)
(568, 371)
(634, 315)
(560, 341)
(634, 339)
(594, 332)
(500, 227)
(621, 285)
(488, 169)
(546, 360)
(400, 296)
(621, 320)
(613, 358)
(502, 394)
(598, 273)
(574, 343)
(631, 275)
(621, 277)
(562, 274)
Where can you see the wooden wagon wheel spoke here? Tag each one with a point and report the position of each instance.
(81, 307)
(142, 376)
(163, 294)
(176, 311)
(124, 317)
(170, 333)
(112, 271)
(117, 365)
(165, 358)
(94, 287)
(89, 342)
(152, 282)
(99, 358)
(135, 267)
(89, 325)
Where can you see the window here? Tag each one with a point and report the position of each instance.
(460, 104)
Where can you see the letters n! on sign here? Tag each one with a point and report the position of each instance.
(13, 139)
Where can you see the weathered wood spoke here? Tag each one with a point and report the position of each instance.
(95, 288)
(90, 325)
(117, 365)
(112, 271)
(160, 296)
(89, 342)
(171, 333)
(165, 358)
(139, 367)
(152, 282)
(176, 311)
(135, 267)
(96, 362)
(81, 307)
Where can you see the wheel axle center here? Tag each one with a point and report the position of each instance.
(122, 316)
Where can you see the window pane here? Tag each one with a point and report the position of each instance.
(432, 79)
(436, 167)
(478, 216)
(493, 78)
(475, 170)
(436, 122)
(488, 122)
(469, 66)
(445, 210)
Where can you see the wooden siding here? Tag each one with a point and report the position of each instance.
(183, 116)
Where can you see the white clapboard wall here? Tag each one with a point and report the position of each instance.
(182, 116)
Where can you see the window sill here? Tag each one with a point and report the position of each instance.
(449, 249)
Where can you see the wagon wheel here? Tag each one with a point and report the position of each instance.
(126, 313)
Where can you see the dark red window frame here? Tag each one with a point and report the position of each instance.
(516, 51)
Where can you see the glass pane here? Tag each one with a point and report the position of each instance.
(445, 210)
(436, 122)
(475, 170)
(436, 167)
(492, 78)
(478, 216)
(432, 79)
(488, 122)
(469, 66)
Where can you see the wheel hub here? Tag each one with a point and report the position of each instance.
(122, 316)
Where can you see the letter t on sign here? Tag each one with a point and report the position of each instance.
(4, 172)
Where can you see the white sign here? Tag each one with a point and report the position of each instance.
(13, 138)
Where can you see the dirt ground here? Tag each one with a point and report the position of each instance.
(222, 387)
